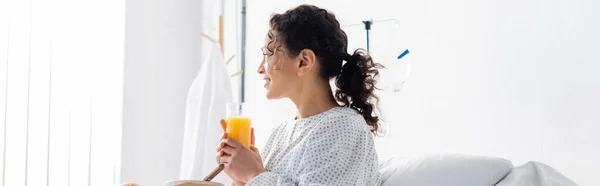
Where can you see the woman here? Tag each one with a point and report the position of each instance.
(330, 142)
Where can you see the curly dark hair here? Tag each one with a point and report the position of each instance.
(314, 28)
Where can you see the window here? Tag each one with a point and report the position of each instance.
(61, 78)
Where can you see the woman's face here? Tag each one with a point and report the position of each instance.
(278, 70)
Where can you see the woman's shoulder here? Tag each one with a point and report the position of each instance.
(279, 127)
(344, 118)
(341, 125)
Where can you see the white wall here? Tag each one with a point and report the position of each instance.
(515, 79)
(162, 58)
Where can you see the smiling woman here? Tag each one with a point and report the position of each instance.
(60, 91)
(331, 139)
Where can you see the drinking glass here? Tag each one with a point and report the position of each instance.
(238, 123)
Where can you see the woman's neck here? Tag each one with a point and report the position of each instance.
(313, 100)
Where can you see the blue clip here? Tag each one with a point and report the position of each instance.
(403, 54)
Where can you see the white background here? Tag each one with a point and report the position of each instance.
(512, 79)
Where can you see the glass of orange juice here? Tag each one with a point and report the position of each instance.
(238, 123)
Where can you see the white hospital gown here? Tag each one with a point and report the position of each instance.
(331, 148)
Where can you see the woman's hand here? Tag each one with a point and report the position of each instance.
(223, 123)
(241, 163)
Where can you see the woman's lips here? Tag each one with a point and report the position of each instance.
(267, 82)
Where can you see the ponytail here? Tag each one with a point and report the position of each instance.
(356, 84)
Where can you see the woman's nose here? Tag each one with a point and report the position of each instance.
(261, 68)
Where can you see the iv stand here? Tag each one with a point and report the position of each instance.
(367, 25)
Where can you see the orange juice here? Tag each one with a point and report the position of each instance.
(238, 128)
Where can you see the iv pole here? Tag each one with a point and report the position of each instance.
(243, 52)
(367, 25)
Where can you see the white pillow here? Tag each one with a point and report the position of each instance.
(444, 169)
(535, 173)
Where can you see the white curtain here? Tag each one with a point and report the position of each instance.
(61, 69)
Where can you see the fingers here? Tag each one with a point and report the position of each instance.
(219, 155)
(225, 152)
(224, 125)
(225, 155)
(221, 144)
(252, 139)
(224, 159)
(231, 142)
(224, 135)
(228, 150)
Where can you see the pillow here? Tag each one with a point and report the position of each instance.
(535, 173)
(444, 169)
(389, 167)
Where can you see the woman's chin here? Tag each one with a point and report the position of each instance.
(271, 96)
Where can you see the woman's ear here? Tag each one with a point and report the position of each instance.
(308, 61)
